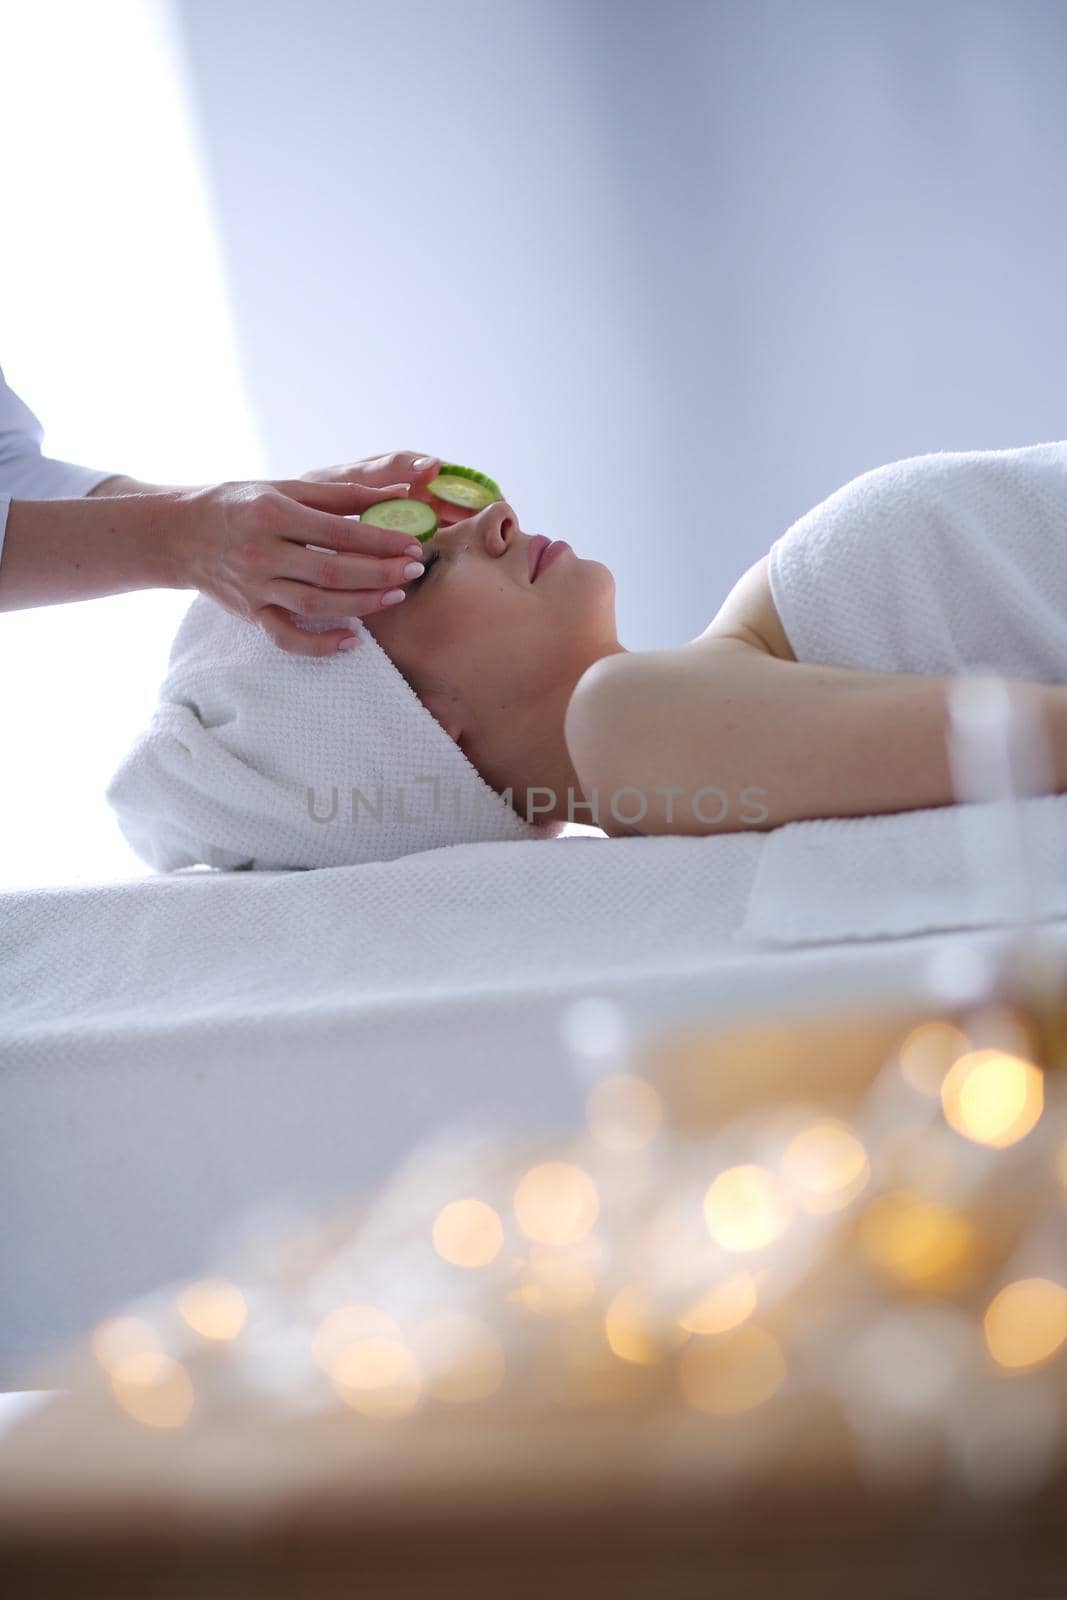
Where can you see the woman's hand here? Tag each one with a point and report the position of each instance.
(246, 545)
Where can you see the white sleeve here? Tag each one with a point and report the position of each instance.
(25, 474)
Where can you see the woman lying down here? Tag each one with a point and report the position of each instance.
(497, 702)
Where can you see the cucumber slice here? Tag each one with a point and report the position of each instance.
(462, 486)
(410, 516)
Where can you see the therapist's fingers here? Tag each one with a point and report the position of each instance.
(307, 601)
(279, 626)
(396, 465)
(317, 513)
(322, 573)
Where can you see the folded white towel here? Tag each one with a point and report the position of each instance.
(937, 564)
(258, 758)
(904, 873)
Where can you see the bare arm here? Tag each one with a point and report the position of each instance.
(765, 741)
(56, 551)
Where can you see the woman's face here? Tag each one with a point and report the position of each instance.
(493, 652)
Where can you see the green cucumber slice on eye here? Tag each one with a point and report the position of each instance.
(462, 486)
(410, 516)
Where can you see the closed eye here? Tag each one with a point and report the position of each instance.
(428, 561)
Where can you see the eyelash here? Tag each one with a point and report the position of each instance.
(433, 556)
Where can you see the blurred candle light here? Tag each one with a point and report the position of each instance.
(119, 1338)
(349, 1325)
(1026, 1323)
(629, 1328)
(468, 1233)
(733, 1372)
(744, 1208)
(928, 1052)
(555, 1282)
(993, 1098)
(624, 1112)
(594, 1030)
(153, 1389)
(722, 1307)
(213, 1308)
(826, 1165)
(377, 1376)
(556, 1203)
(919, 1242)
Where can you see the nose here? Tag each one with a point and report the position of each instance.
(500, 529)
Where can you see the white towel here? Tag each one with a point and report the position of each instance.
(952, 564)
(258, 758)
(908, 872)
(936, 564)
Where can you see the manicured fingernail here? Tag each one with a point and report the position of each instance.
(414, 569)
(393, 596)
(350, 643)
(423, 461)
(413, 550)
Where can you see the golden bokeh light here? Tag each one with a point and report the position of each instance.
(724, 1306)
(556, 1203)
(1026, 1323)
(378, 1377)
(629, 1328)
(993, 1098)
(827, 1166)
(732, 1373)
(555, 1282)
(361, 1349)
(119, 1338)
(624, 1112)
(928, 1052)
(920, 1242)
(468, 1233)
(349, 1325)
(153, 1389)
(466, 1360)
(745, 1209)
(213, 1308)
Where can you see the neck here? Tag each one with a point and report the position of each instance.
(532, 760)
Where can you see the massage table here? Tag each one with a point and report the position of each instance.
(184, 1052)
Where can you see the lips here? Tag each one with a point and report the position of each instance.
(537, 547)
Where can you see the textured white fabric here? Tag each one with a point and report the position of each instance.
(935, 564)
(258, 758)
(948, 564)
(174, 1049)
(908, 872)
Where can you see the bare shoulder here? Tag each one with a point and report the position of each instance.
(749, 613)
(641, 721)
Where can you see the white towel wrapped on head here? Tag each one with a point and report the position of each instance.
(258, 758)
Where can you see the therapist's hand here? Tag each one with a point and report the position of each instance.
(246, 546)
(406, 465)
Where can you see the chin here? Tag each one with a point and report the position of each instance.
(599, 585)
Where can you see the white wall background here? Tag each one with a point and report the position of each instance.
(670, 270)
(115, 330)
